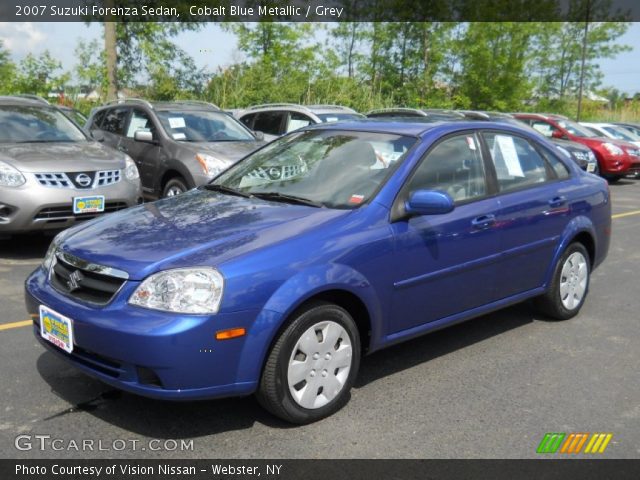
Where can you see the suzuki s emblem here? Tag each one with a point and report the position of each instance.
(73, 283)
(83, 180)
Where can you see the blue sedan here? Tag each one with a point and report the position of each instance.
(331, 242)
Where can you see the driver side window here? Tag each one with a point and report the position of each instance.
(454, 166)
(139, 121)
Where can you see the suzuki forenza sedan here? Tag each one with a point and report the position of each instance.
(379, 232)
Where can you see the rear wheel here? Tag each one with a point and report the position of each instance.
(312, 365)
(569, 286)
(175, 186)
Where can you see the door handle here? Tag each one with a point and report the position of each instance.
(558, 201)
(483, 221)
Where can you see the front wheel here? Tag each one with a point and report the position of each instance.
(174, 187)
(312, 366)
(569, 286)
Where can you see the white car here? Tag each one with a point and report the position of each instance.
(610, 130)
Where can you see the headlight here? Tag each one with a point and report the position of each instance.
(613, 149)
(10, 177)
(211, 165)
(50, 256)
(130, 169)
(183, 290)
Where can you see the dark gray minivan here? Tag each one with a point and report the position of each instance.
(176, 145)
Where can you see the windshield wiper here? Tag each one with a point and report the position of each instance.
(224, 189)
(283, 197)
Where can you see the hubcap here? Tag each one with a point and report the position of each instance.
(173, 191)
(319, 365)
(573, 280)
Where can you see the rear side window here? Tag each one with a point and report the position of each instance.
(115, 120)
(97, 119)
(454, 166)
(516, 162)
(247, 120)
(558, 167)
(298, 120)
(269, 122)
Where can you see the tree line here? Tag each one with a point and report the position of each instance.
(484, 65)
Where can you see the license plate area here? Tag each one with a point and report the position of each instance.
(56, 328)
(92, 204)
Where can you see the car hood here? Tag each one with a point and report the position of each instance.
(231, 151)
(61, 157)
(192, 229)
(601, 140)
(569, 145)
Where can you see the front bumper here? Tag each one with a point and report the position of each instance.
(33, 207)
(155, 354)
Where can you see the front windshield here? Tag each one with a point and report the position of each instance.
(621, 134)
(202, 126)
(337, 117)
(25, 124)
(337, 169)
(576, 129)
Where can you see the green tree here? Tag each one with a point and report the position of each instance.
(7, 71)
(493, 65)
(91, 70)
(38, 74)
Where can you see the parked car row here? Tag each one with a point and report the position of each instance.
(160, 149)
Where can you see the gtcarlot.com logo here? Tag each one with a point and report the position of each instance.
(574, 442)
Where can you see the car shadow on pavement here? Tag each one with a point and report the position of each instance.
(181, 420)
(428, 347)
(24, 247)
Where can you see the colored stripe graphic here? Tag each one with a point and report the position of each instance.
(598, 443)
(574, 442)
(550, 442)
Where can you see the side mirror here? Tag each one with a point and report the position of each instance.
(143, 136)
(97, 135)
(428, 202)
(259, 135)
(557, 134)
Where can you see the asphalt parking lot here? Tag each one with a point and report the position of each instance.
(489, 388)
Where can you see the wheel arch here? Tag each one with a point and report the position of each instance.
(349, 290)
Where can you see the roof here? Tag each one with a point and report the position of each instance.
(183, 104)
(415, 126)
(315, 109)
(30, 100)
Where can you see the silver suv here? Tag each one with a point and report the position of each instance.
(52, 174)
(275, 119)
(176, 145)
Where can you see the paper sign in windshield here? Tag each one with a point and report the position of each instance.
(508, 155)
(176, 122)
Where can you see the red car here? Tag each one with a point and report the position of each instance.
(616, 158)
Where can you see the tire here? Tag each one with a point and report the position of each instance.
(614, 179)
(301, 368)
(175, 186)
(569, 286)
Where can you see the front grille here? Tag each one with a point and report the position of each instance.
(581, 155)
(107, 177)
(65, 212)
(58, 180)
(84, 283)
(102, 178)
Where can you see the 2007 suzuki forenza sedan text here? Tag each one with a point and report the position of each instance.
(330, 242)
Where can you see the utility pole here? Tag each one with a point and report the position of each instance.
(584, 57)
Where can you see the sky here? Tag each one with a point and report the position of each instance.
(211, 47)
